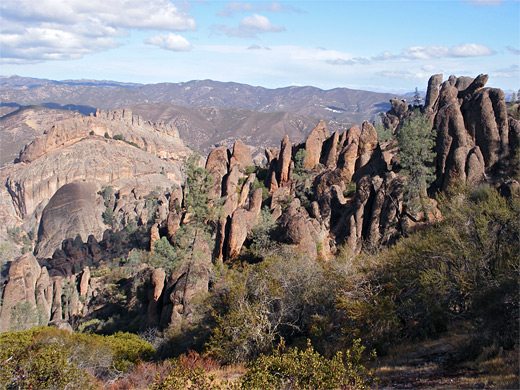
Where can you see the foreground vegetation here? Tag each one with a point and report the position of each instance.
(287, 321)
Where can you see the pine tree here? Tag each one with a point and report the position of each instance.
(416, 98)
(416, 153)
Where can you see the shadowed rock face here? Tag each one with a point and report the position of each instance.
(74, 209)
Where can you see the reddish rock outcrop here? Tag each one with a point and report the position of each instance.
(241, 155)
(19, 295)
(242, 221)
(284, 161)
(314, 144)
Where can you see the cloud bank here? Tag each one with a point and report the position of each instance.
(69, 29)
(250, 27)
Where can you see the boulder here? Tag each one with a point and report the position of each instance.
(330, 151)
(73, 210)
(84, 282)
(154, 235)
(217, 164)
(485, 116)
(453, 141)
(367, 144)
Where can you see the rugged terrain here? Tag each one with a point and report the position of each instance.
(334, 196)
(208, 127)
(342, 104)
(115, 149)
(207, 112)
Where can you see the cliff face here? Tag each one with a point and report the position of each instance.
(115, 149)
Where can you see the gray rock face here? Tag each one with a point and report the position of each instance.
(74, 209)
(432, 93)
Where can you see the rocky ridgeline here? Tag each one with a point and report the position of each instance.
(114, 148)
(315, 212)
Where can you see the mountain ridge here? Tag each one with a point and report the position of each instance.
(342, 104)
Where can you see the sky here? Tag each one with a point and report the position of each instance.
(384, 46)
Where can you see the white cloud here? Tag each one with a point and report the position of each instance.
(173, 42)
(429, 68)
(352, 61)
(70, 29)
(511, 49)
(258, 47)
(438, 51)
(401, 74)
(250, 27)
(238, 6)
(470, 50)
(479, 3)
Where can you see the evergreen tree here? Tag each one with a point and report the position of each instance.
(416, 153)
(416, 98)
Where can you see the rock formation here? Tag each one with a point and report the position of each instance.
(116, 149)
(348, 192)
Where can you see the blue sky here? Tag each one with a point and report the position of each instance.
(372, 45)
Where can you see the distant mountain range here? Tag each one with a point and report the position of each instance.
(206, 112)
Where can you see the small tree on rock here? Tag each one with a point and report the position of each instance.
(416, 153)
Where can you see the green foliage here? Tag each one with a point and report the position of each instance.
(131, 227)
(128, 349)
(466, 267)
(119, 137)
(350, 189)
(163, 255)
(40, 359)
(274, 298)
(23, 316)
(109, 217)
(300, 172)
(416, 154)
(188, 373)
(307, 369)
(260, 235)
(91, 132)
(260, 184)
(383, 133)
(107, 136)
(48, 358)
(106, 193)
(197, 200)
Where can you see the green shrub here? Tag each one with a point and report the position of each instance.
(465, 267)
(128, 349)
(307, 369)
(40, 359)
(48, 358)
